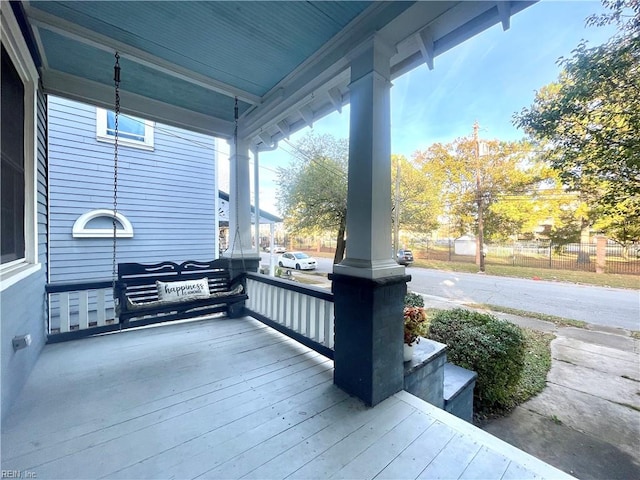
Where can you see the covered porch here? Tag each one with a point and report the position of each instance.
(230, 398)
(225, 397)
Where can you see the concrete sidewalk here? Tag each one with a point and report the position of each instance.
(586, 421)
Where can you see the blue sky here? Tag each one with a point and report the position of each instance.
(488, 78)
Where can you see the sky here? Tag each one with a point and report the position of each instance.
(486, 79)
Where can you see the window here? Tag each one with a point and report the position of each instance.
(132, 131)
(12, 166)
(18, 214)
(99, 224)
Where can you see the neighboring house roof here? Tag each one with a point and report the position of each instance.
(223, 210)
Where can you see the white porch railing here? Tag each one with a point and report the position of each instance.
(303, 312)
(80, 306)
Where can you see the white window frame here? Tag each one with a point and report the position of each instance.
(16, 47)
(80, 229)
(101, 132)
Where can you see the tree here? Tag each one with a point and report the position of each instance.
(544, 202)
(474, 176)
(589, 122)
(313, 188)
(416, 198)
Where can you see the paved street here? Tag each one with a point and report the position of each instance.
(611, 307)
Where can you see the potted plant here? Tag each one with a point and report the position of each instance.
(416, 325)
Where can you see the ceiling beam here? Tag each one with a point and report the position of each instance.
(75, 32)
(336, 98)
(100, 95)
(504, 11)
(307, 114)
(425, 39)
(284, 128)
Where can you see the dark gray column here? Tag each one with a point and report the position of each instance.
(369, 335)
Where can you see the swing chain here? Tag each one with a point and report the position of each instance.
(237, 235)
(235, 146)
(116, 80)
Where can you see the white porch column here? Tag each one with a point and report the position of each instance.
(369, 248)
(256, 198)
(368, 286)
(239, 202)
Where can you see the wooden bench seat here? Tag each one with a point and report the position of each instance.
(136, 291)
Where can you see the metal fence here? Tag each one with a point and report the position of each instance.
(574, 256)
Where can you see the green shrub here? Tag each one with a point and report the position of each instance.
(493, 348)
(412, 299)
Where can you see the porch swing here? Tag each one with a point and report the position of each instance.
(151, 293)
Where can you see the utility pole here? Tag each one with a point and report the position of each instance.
(479, 200)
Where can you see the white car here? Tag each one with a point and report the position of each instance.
(297, 260)
(276, 249)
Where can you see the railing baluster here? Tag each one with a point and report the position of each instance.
(316, 319)
(300, 301)
(268, 300)
(64, 312)
(287, 308)
(272, 304)
(101, 311)
(278, 315)
(291, 309)
(328, 334)
(294, 311)
(254, 298)
(308, 317)
(260, 295)
(262, 306)
(83, 309)
(320, 314)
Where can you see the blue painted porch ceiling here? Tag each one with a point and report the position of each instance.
(84, 61)
(250, 45)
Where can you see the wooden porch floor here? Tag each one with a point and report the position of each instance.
(227, 398)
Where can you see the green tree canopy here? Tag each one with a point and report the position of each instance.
(462, 172)
(417, 197)
(589, 122)
(312, 190)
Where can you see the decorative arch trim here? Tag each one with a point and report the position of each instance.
(80, 229)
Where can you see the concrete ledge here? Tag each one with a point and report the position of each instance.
(424, 374)
(458, 391)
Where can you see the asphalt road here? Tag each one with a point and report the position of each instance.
(613, 307)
